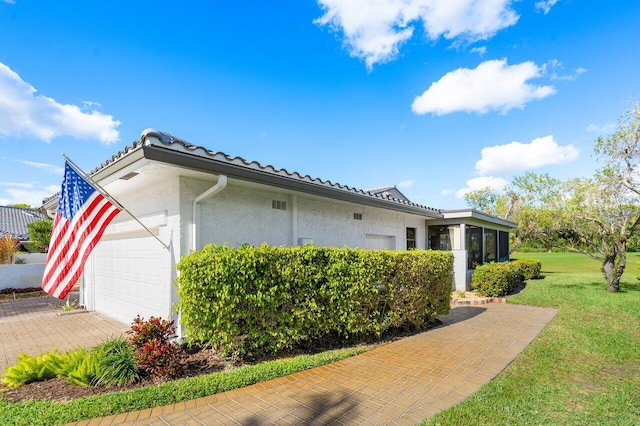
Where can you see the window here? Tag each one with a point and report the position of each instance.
(357, 216)
(411, 238)
(503, 246)
(474, 246)
(278, 205)
(490, 245)
(440, 238)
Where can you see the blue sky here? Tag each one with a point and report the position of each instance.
(433, 96)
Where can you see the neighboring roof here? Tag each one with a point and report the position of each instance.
(388, 191)
(14, 220)
(168, 149)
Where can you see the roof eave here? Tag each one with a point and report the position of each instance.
(211, 165)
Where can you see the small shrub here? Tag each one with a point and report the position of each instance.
(114, 363)
(496, 279)
(9, 246)
(70, 305)
(530, 268)
(76, 367)
(40, 234)
(32, 369)
(153, 349)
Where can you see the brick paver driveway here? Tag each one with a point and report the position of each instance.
(32, 326)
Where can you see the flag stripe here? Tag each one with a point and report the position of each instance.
(76, 269)
(85, 236)
(82, 216)
(68, 233)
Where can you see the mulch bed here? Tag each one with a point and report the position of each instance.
(196, 363)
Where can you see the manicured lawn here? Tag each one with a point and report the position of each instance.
(576, 262)
(584, 368)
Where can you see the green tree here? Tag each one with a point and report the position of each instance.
(597, 216)
(40, 234)
(21, 206)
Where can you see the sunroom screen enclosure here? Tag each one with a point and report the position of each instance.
(474, 238)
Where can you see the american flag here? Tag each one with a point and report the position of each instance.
(81, 218)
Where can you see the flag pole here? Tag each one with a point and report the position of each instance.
(113, 200)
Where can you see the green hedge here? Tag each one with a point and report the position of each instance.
(530, 268)
(253, 300)
(496, 279)
(499, 279)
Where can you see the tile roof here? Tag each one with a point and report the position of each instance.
(150, 136)
(155, 138)
(14, 220)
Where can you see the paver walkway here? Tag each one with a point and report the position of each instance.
(31, 326)
(400, 383)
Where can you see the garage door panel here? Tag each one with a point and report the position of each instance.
(131, 276)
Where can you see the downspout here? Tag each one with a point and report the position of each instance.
(219, 186)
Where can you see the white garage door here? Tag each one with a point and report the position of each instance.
(128, 276)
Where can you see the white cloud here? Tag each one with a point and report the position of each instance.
(554, 68)
(56, 170)
(27, 194)
(446, 192)
(10, 1)
(545, 6)
(479, 50)
(607, 128)
(518, 157)
(493, 85)
(373, 30)
(17, 184)
(23, 112)
(405, 184)
(482, 182)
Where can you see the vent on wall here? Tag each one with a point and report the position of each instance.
(278, 205)
(357, 216)
(129, 176)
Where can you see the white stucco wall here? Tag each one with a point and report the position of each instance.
(243, 214)
(237, 215)
(21, 276)
(461, 277)
(31, 257)
(330, 224)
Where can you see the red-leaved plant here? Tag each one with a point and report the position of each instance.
(152, 347)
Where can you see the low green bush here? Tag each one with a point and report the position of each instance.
(263, 299)
(530, 268)
(115, 364)
(75, 367)
(32, 369)
(496, 279)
